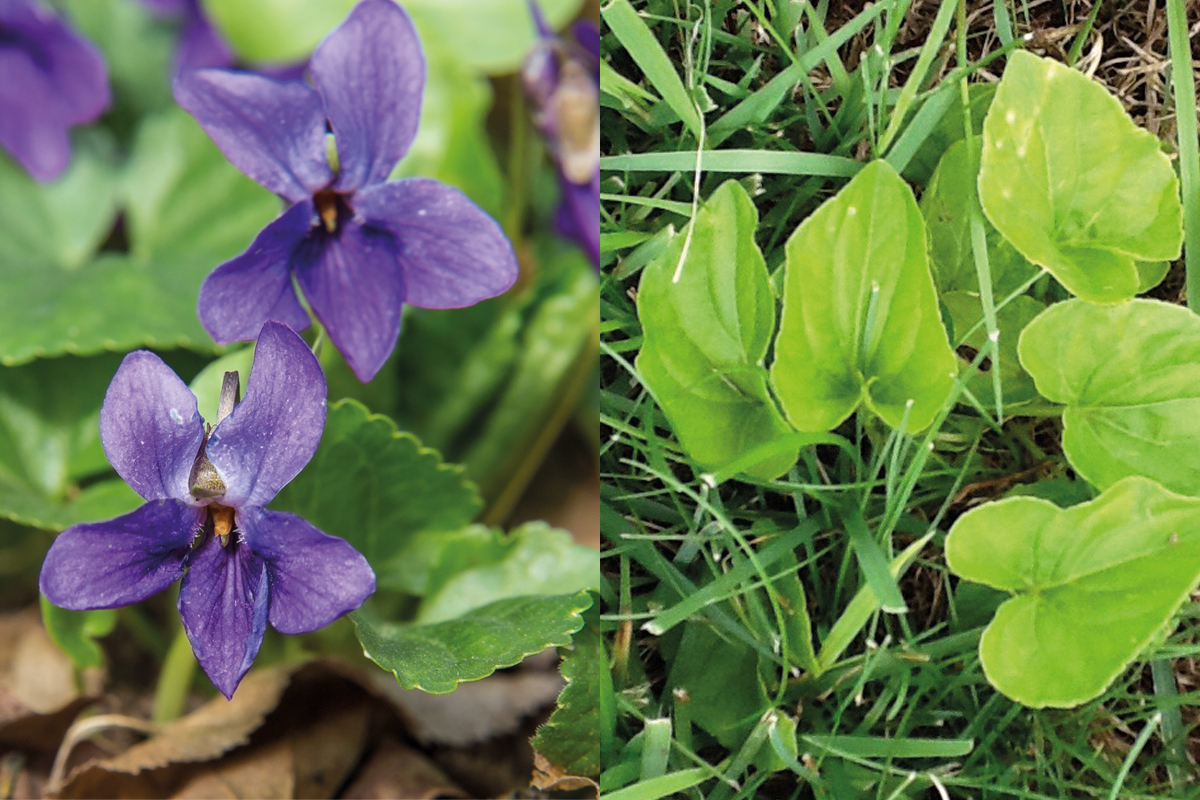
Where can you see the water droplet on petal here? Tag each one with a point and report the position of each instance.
(176, 417)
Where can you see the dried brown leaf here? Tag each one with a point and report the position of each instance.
(549, 777)
(396, 770)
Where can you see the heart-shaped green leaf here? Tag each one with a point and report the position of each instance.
(187, 210)
(436, 658)
(945, 204)
(1129, 375)
(707, 333)
(860, 319)
(1093, 584)
(1073, 183)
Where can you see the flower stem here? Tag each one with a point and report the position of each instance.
(175, 679)
(518, 165)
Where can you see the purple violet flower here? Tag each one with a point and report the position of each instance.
(50, 79)
(205, 518)
(563, 81)
(358, 244)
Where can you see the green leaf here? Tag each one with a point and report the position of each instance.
(707, 334)
(949, 130)
(1073, 183)
(62, 222)
(184, 198)
(436, 658)
(491, 35)
(187, 209)
(50, 439)
(1093, 584)
(75, 632)
(377, 487)
(531, 559)
(1129, 375)
(860, 319)
(721, 679)
(583, 726)
(966, 312)
(556, 364)
(944, 205)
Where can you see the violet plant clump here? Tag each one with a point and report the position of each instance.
(205, 519)
(359, 245)
(562, 80)
(50, 79)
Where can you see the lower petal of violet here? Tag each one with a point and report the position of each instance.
(223, 601)
(353, 282)
(314, 577)
(453, 254)
(244, 292)
(121, 561)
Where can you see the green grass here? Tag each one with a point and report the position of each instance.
(723, 690)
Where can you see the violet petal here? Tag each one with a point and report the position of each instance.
(274, 431)
(33, 127)
(201, 45)
(314, 577)
(453, 254)
(579, 215)
(370, 72)
(354, 284)
(588, 36)
(240, 295)
(120, 561)
(49, 78)
(150, 427)
(223, 601)
(273, 131)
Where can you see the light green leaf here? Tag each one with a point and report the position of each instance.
(492, 565)
(706, 336)
(50, 439)
(184, 198)
(75, 632)
(1129, 375)
(966, 312)
(436, 658)
(377, 487)
(582, 728)
(860, 319)
(945, 204)
(1073, 183)
(491, 35)
(1093, 584)
(64, 221)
